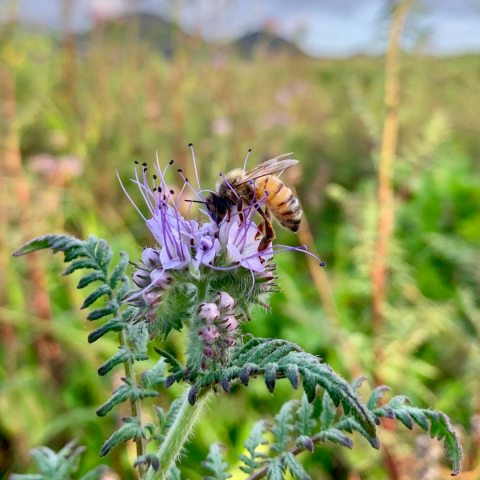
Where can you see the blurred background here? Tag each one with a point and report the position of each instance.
(379, 101)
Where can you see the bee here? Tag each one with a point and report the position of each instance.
(240, 188)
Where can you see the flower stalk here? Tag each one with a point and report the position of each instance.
(178, 434)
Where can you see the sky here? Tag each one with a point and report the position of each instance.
(324, 28)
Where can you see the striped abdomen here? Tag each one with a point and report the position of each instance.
(280, 201)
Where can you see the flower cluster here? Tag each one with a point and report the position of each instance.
(219, 328)
(190, 250)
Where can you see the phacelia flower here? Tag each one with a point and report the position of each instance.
(192, 250)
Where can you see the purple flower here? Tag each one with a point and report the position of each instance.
(224, 301)
(193, 245)
(208, 334)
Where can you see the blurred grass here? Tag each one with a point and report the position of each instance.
(121, 101)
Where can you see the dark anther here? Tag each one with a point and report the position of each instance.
(136, 163)
(322, 264)
(179, 170)
(145, 169)
(144, 164)
(172, 192)
(159, 189)
(190, 144)
(155, 189)
(154, 177)
(249, 149)
(171, 161)
(186, 180)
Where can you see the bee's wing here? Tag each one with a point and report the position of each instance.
(268, 168)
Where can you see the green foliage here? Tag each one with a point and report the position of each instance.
(215, 464)
(59, 466)
(130, 431)
(255, 458)
(260, 356)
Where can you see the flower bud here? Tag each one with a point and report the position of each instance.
(208, 352)
(160, 278)
(230, 341)
(151, 258)
(208, 312)
(152, 297)
(224, 301)
(141, 278)
(208, 334)
(229, 322)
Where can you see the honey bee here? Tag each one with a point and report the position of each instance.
(240, 188)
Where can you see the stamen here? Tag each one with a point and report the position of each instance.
(195, 167)
(229, 186)
(245, 163)
(130, 198)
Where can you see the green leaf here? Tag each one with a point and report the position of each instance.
(254, 440)
(304, 414)
(123, 355)
(103, 312)
(95, 295)
(79, 264)
(90, 278)
(170, 359)
(335, 435)
(119, 270)
(376, 395)
(33, 476)
(47, 241)
(215, 464)
(130, 431)
(329, 412)
(115, 324)
(275, 469)
(96, 474)
(283, 427)
(295, 467)
(155, 376)
(103, 255)
(148, 459)
(349, 424)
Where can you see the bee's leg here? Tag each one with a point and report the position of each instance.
(266, 228)
(241, 216)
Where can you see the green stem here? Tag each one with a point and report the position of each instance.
(178, 434)
(135, 404)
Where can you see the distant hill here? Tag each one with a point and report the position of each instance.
(163, 35)
(152, 29)
(266, 42)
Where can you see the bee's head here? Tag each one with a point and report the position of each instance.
(217, 206)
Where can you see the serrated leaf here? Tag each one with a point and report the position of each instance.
(103, 255)
(295, 467)
(335, 435)
(40, 243)
(119, 270)
(270, 376)
(254, 440)
(90, 278)
(80, 264)
(305, 422)
(275, 469)
(95, 295)
(130, 431)
(215, 464)
(377, 394)
(113, 325)
(170, 359)
(283, 427)
(329, 412)
(155, 376)
(148, 459)
(123, 355)
(349, 424)
(305, 442)
(103, 312)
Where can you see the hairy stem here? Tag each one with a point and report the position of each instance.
(178, 434)
(135, 404)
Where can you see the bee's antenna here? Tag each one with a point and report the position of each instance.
(245, 164)
(195, 201)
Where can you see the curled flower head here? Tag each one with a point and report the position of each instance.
(195, 255)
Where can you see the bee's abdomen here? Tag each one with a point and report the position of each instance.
(281, 201)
